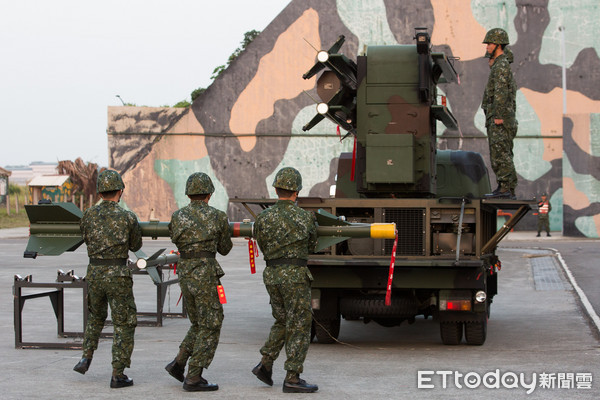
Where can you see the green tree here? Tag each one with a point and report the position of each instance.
(183, 104)
(197, 93)
(15, 189)
(248, 38)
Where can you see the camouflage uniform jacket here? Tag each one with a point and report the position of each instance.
(109, 231)
(286, 231)
(499, 96)
(200, 227)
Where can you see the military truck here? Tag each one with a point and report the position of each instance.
(445, 261)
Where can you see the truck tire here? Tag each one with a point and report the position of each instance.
(327, 330)
(326, 320)
(476, 332)
(451, 332)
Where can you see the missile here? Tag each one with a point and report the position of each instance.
(150, 264)
(54, 229)
(157, 259)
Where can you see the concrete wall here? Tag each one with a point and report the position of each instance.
(247, 124)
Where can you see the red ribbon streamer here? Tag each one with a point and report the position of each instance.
(388, 292)
(252, 253)
(221, 292)
(353, 161)
(339, 133)
(174, 265)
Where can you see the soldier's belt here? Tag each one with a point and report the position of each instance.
(196, 254)
(286, 261)
(108, 261)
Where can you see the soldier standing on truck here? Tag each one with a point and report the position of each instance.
(199, 231)
(544, 208)
(286, 235)
(499, 106)
(109, 232)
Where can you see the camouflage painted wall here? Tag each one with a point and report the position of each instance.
(248, 122)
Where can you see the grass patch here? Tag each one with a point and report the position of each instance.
(14, 219)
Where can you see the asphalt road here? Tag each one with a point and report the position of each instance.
(581, 255)
(543, 334)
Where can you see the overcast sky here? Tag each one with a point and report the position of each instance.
(63, 61)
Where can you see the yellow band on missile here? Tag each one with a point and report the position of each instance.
(383, 231)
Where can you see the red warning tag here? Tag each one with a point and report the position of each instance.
(388, 292)
(174, 265)
(252, 254)
(221, 291)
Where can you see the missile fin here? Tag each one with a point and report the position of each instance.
(56, 212)
(154, 275)
(314, 70)
(155, 255)
(324, 242)
(337, 45)
(327, 219)
(316, 119)
(140, 254)
(53, 245)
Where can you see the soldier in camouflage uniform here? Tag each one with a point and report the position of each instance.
(543, 222)
(199, 231)
(109, 233)
(499, 106)
(286, 235)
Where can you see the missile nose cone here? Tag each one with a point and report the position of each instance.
(383, 231)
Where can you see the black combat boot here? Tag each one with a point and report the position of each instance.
(176, 370)
(263, 373)
(120, 380)
(198, 384)
(502, 194)
(83, 365)
(293, 384)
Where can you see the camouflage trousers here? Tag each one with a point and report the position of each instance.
(290, 305)
(543, 223)
(500, 139)
(116, 291)
(206, 315)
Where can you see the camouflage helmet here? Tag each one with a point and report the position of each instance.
(109, 180)
(496, 36)
(199, 183)
(288, 178)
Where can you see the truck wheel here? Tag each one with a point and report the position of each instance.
(476, 332)
(451, 332)
(327, 330)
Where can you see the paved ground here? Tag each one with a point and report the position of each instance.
(580, 256)
(531, 331)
